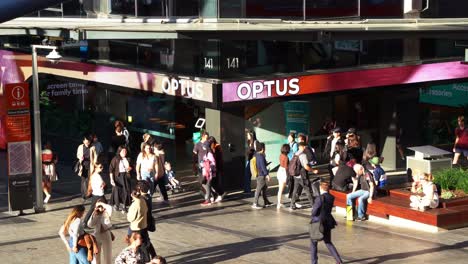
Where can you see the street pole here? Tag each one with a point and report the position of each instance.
(37, 128)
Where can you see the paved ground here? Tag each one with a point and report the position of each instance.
(230, 232)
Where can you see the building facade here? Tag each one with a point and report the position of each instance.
(390, 68)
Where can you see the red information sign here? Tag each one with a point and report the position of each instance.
(17, 95)
(18, 120)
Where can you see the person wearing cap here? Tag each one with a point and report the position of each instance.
(461, 140)
(331, 141)
(353, 146)
(380, 177)
(302, 180)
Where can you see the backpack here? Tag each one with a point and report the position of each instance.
(253, 167)
(208, 167)
(294, 167)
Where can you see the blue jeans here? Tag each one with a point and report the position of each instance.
(80, 257)
(149, 177)
(362, 197)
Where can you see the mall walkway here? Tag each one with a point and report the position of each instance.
(232, 232)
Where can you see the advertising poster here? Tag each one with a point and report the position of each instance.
(297, 114)
(455, 95)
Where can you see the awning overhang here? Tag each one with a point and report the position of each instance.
(232, 29)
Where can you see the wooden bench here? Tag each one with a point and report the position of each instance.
(397, 205)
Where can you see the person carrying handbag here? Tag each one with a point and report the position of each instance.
(101, 222)
(87, 158)
(321, 212)
(119, 171)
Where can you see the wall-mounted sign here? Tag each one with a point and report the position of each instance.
(18, 128)
(455, 95)
(66, 89)
(184, 88)
(339, 81)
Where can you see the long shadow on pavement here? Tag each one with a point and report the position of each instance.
(236, 250)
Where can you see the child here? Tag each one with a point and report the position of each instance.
(169, 174)
(380, 177)
(424, 193)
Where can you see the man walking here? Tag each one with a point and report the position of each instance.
(322, 213)
(262, 178)
(300, 179)
(363, 190)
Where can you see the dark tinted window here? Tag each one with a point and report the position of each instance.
(274, 8)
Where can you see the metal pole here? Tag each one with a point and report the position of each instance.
(359, 9)
(37, 128)
(37, 134)
(304, 14)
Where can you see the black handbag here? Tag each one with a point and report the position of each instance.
(316, 228)
(151, 224)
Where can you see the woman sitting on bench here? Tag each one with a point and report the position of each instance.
(424, 193)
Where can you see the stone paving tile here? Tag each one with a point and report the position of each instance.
(232, 232)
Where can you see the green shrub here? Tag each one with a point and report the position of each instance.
(449, 179)
(447, 195)
(463, 183)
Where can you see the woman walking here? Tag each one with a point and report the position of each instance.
(74, 229)
(86, 155)
(49, 170)
(208, 172)
(282, 174)
(160, 180)
(119, 170)
(101, 222)
(138, 218)
(96, 189)
(131, 254)
(146, 166)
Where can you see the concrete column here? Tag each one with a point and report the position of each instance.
(213, 123)
(209, 8)
(412, 8)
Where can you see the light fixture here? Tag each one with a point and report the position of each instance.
(54, 56)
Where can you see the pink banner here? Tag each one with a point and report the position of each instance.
(340, 81)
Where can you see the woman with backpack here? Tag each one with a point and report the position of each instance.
(282, 174)
(208, 172)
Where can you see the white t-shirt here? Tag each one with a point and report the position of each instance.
(75, 230)
(96, 184)
(147, 163)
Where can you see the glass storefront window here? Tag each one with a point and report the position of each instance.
(274, 9)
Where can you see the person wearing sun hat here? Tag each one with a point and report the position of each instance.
(380, 177)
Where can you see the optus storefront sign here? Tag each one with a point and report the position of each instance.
(455, 95)
(339, 81)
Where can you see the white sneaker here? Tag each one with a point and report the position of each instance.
(218, 199)
(46, 200)
(255, 206)
(298, 205)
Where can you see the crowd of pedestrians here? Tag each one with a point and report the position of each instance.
(88, 235)
(352, 169)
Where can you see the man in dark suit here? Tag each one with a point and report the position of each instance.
(326, 200)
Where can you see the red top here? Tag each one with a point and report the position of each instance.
(284, 161)
(462, 134)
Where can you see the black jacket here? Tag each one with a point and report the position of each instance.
(326, 218)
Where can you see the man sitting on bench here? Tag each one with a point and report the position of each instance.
(343, 177)
(363, 190)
